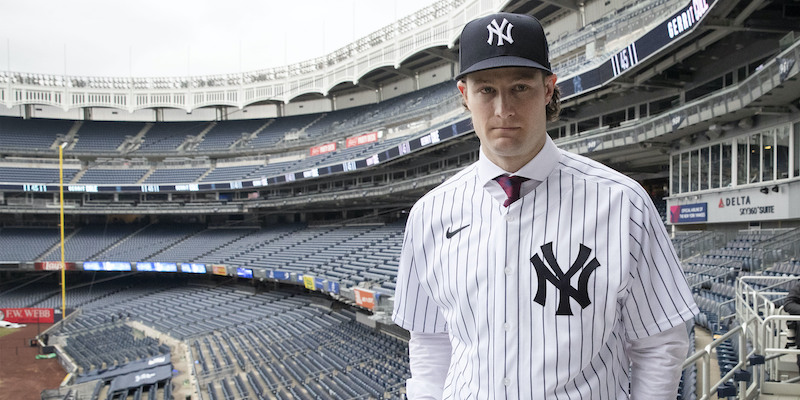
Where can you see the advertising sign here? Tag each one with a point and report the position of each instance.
(323, 148)
(688, 213)
(281, 275)
(333, 287)
(765, 203)
(193, 268)
(27, 315)
(53, 266)
(308, 282)
(365, 298)
(219, 270)
(362, 139)
(106, 266)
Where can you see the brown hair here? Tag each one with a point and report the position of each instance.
(553, 108)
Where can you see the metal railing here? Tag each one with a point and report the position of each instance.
(760, 334)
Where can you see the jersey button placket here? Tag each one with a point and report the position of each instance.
(510, 272)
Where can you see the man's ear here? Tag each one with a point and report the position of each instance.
(462, 87)
(550, 85)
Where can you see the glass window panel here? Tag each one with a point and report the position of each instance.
(705, 166)
(741, 158)
(676, 174)
(727, 164)
(796, 149)
(782, 151)
(755, 158)
(685, 158)
(695, 172)
(715, 165)
(768, 155)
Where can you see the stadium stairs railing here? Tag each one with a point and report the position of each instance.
(759, 365)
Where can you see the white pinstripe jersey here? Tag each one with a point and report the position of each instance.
(488, 276)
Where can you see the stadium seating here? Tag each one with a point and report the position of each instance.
(32, 134)
(175, 175)
(112, 176)
(258, 344)
(26, 244)
(35, 175)
(104, 137)
(166, 137)
(224, 134)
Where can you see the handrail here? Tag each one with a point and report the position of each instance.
(707, 389)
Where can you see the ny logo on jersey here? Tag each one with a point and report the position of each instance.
(552, 272)
(495, 29)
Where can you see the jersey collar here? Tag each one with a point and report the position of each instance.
(537, 169)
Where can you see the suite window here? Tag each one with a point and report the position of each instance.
(715, 166)
(741, 158)
(705, 167)
(796, 147)
(768, 156)
(676, 173)
(754, 165)
(685, 163)
(782, 143)
(727, 164)
(695, 172)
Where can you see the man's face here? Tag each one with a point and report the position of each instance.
(508, 112)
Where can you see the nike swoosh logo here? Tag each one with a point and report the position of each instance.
(449, 234)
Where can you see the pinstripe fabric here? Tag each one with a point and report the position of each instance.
(467, 269)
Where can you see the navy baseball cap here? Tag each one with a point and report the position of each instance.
(503, 40)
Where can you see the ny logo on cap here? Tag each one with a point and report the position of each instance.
(498, 30)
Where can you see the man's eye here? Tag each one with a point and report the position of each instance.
(486, 90)
(521, 88)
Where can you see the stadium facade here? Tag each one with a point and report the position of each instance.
(301, 175)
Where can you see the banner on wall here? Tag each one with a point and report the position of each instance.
(308, 282)
(769, 202)
(219, 270)
(53, 266)
(323, 148)
(686, 213)
(365, 298)
(333, 287)
(27, 315)
(281, 275)
(361, 139)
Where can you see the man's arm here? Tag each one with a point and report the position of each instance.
(657, 362)
(429, 356)
(792, 305)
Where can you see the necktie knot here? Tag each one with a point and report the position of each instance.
(510, 185)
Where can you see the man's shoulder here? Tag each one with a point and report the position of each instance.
(591, 170)
(455, 182)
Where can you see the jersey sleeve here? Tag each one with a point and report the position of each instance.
(659, 297)
(414, 310)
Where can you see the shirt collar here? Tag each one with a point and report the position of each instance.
(536, 169)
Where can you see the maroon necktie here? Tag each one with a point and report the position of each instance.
(510, 185)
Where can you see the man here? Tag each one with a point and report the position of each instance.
(792, 306)
(536, 273)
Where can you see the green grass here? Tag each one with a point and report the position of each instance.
(6, 331)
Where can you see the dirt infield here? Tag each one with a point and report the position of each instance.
(22, 376)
